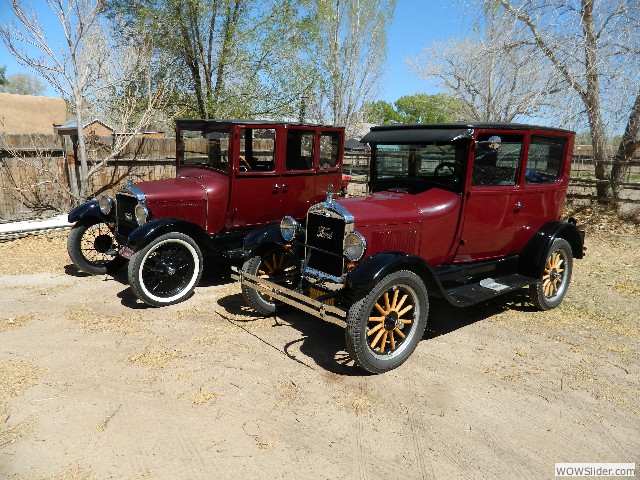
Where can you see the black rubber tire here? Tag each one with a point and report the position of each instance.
(285, 273)
(548, 292)
(358, 319)
(87, 246)
(167, 270)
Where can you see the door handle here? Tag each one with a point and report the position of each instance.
(519, 205)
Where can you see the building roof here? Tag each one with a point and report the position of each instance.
(72, 126)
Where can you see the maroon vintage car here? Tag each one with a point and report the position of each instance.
(232, 176)
(465, 212)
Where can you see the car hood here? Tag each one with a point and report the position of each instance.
(191, 184)
(383, 208)
(173, 189)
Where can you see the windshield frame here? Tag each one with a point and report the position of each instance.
(211, 149)
(419, 166)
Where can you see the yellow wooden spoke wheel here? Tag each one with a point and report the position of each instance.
(549, 290)
(385, 326)
(276, 265)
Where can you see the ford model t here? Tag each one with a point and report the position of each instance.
(465, 212)
(232, 176)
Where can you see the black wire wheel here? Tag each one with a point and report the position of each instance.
(549, 290)
(276, 265)
(386, 325)
(92, 248)
(167, 270)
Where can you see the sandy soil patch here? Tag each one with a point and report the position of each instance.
(95, 385)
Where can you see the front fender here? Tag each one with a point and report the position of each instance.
(148, 232)
(268, 236)
(89, 210)
(372, 269)
(533, 255)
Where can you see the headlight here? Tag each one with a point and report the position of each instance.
(354, 246)
(106, 204)
(288, 228)
(142, 214)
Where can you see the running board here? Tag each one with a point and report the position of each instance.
(487, 288)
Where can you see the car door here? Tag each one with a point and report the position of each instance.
(298, 178)
(544, 183)
(256, 189)
(491, 210)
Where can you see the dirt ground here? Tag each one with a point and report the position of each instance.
(94, 385)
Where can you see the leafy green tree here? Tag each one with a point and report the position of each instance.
(23, 84)
(417, 108)
(3, 78)
(226, 57)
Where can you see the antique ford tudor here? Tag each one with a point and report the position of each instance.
(231, 177)
(460, 211)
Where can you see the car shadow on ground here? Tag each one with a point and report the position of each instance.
(324, 342)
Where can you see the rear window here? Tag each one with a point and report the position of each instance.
(546, 155)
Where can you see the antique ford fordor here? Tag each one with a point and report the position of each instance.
(465, 212)
(231, 177)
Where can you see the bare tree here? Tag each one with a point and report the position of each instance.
(87, 66)
(351, 50)
(593, 46)
(496, 75)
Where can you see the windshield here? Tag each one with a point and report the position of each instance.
(416, 168)
(209, 148)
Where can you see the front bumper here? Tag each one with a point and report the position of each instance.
(309, 305)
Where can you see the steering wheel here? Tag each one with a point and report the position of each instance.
(452, 166)
(246, 164)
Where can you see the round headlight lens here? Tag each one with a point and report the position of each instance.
(288, 228)
(142, 214)
(106, 204)
(354, 246)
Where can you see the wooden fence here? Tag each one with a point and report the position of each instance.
(36, 171)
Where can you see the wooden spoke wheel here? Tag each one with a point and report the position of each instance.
(278, 266)
(92, 248)
(549, 291)
(386, 325)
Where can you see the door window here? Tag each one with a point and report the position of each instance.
(299, 150)
(496, 160)
(257, 150)
(329, 150)
(546, 155)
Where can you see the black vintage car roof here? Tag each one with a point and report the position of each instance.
(228, 122)
(442, 132)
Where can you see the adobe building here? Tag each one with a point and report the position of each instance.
(29, 114)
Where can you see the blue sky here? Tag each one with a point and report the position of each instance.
(416, 24)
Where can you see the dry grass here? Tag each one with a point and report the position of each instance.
(46, 253)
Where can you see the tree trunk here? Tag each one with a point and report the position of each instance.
(594, 111)
(82, 150)
(628, 145)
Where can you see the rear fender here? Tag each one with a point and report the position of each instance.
(533, 255)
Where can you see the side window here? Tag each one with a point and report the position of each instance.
(299, 150)
(546, 155)
(257, 150)
(496, 160)
(329, 150)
